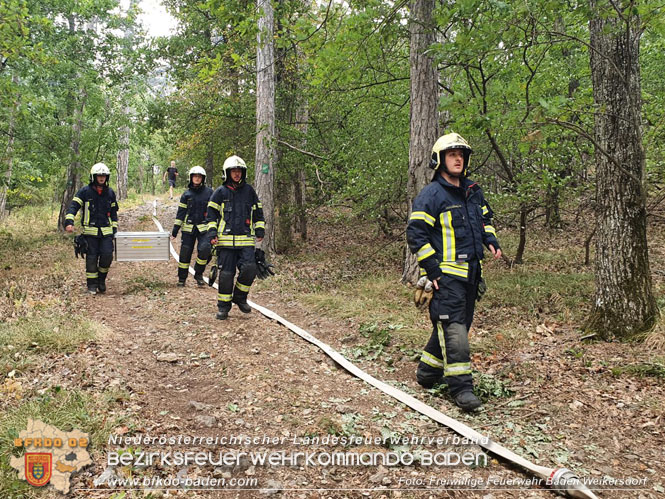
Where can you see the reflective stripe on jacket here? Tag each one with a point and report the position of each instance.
(192, 210)
(235, 216)
(449, 226)
(100, 211)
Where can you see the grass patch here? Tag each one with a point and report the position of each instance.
(26, 339)
(139, 284)
(66, 410)
(642, 370)
(29, 230)
(533, 293)
(370, 297)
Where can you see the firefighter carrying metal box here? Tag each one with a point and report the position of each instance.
(99, 220)
(235, 223)
(191, 217)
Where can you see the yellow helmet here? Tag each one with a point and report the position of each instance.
(445, 143)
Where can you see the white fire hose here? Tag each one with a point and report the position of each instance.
(562, 480)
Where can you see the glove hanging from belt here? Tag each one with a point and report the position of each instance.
(80, 246)
(264, 269)
(482, 289)
(423, 294)
(213, 269)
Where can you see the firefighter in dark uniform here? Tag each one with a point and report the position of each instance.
(99, 220)
(235, 224)
(449, 225)
(191, 218)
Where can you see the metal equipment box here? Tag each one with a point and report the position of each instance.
(140, 246)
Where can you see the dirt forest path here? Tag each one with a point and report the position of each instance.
(248, 377)
(192, 375)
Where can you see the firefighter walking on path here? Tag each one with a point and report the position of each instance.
(191, 218)
(450, 223)
(99, 220)
(235, 224)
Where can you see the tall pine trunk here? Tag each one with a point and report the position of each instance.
(265, 119)
(624, 302)
(4, 183)
(423, 120)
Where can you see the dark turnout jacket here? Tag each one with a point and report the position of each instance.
(449, 226)
(100, 210)
(192, 210)
(235, 216)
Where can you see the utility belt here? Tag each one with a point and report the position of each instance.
(91, 230)
(460, 269)
(235, 241)
(187, 227)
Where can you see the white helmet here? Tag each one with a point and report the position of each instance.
(197, 170)
(234, 162)
(99, 169)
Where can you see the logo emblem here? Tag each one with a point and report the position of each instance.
(38, 468)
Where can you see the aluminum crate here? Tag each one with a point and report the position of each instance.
(141, 246)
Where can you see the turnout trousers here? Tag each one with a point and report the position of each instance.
(98, 260)
(447, 353)
(228, 260)
(203, 250)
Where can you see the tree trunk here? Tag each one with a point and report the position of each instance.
(210, 162)
(624, 302)
(300, 185)
(265, 120)
(4, 185)
(74, 165)
(519, 256)
(424, 95)
(122, 162)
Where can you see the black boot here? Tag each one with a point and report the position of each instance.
(467, 401)
(222, 315)
(181, 283)
(101, 284)
(199, 279)
(242, 305)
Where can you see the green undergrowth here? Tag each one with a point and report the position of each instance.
(24, 341)
(29, 231)
(655, 369)
(534, 293)
(348, 282)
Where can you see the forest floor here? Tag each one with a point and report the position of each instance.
(148, 358)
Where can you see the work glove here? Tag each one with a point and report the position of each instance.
(423, 294)
(482, 289)
(80, 246)
(263, 269)
(213, 270)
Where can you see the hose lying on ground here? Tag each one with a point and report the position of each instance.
(562, 480)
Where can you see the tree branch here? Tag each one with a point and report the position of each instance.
(306, 153)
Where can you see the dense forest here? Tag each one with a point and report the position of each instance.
(339, 103)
